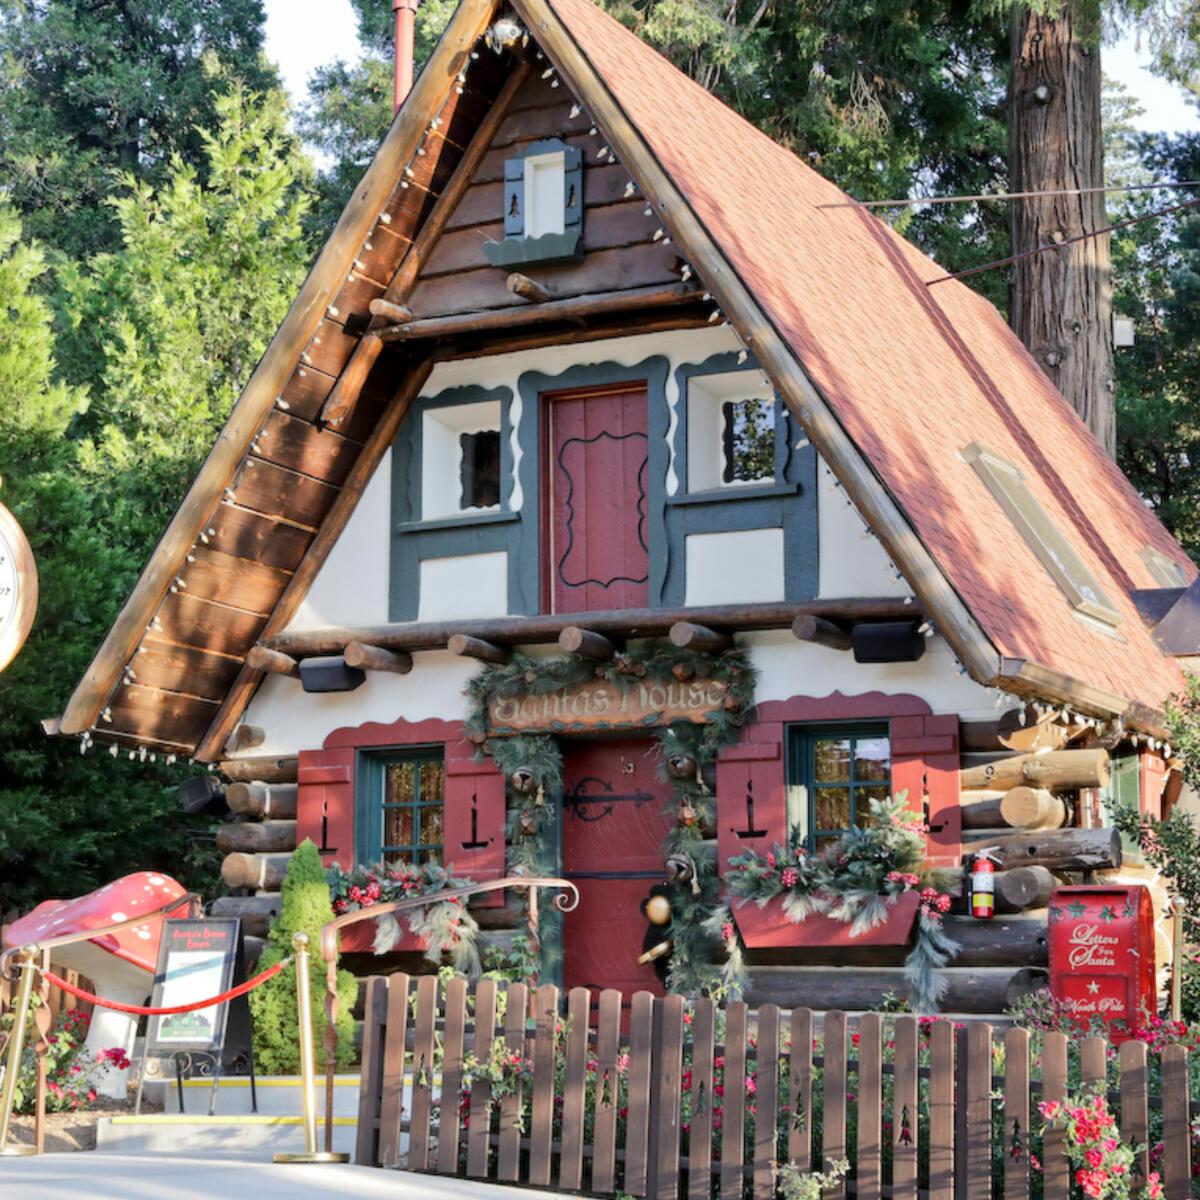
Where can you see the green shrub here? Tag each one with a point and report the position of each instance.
(306, 906)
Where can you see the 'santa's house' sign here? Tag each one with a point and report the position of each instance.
(600, 704)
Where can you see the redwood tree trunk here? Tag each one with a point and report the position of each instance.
(1061, 301)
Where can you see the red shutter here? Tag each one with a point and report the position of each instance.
(925, 763)
(1152, 777)
(751, 795)
(325, 803)
(474, 820)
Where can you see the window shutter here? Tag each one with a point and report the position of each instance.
(572, 187)
(925, 763)
(751, 796)
(325, 803)
(473, 828)
(514, 197)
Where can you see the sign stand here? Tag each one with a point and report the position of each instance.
(199, 957)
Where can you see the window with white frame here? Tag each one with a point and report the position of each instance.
(460, 459)
(1007, 484)
(545, 210)
(732, 421)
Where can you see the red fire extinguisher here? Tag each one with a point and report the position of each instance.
(983, 885)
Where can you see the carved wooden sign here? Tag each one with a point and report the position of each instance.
(600, 704)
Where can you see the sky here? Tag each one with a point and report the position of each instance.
(305, 34)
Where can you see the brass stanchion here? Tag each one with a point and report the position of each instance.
(308, 1082)
(1177, 951)
(15, 1046)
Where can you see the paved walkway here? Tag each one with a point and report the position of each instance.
(164, 1177)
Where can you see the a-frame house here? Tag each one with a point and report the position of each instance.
(592, 370)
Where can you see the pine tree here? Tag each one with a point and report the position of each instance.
(305, 908)
(91, 90)
(158, 337)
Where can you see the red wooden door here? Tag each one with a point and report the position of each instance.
(615, 817)
(598, 556)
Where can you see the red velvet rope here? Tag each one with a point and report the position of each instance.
(145, 1011)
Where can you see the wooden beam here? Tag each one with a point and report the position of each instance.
(529, 289)
(586, 643)
(263, 872)
(376, 447)
(340, 402)
(1024, 887)
(740, 306)
(1056, 769)
(273, 662)
(375, 658)
(575, 308)
(472, 647)
(276, 366)
(688, 635)
(1074, 850)
(266, 769)
(258, 799)
(613, 623)
(256, 912)
(257, 837)
(395, 313)
(1026, 807)
(808, 628)
(246, 737)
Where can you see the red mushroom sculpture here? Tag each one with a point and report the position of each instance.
(121, 965)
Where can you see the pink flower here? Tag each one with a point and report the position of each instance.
(790, 876)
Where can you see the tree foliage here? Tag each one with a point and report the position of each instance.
(305, 908)
(90, 90)
(102, 425)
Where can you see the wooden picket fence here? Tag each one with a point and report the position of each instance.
(669, 1098)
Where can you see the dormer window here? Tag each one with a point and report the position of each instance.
(1007, 484)
(543, 206)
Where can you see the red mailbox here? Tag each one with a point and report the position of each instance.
(1102, 955)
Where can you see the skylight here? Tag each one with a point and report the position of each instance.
(1042, 535)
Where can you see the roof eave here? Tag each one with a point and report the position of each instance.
(258, 397)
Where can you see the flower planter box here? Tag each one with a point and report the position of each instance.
(360, 939)
(769, 927)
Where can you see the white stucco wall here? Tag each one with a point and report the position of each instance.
(352, 587)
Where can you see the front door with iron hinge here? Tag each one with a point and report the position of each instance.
(597, 553)
(615, 818)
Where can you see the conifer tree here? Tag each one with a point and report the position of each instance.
(305, 908)
(157, 338)
(89, 91)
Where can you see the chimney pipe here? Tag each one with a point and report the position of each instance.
(406, 16)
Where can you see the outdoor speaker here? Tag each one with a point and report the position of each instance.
(202, 794)
(330, 674)
(887, 641)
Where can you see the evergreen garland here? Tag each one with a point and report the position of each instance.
(856, 881)
(697, 917)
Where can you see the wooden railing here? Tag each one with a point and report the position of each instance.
(668, 1098)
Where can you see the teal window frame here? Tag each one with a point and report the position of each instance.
(1124, 786)
(371, 780)
(801, 774)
